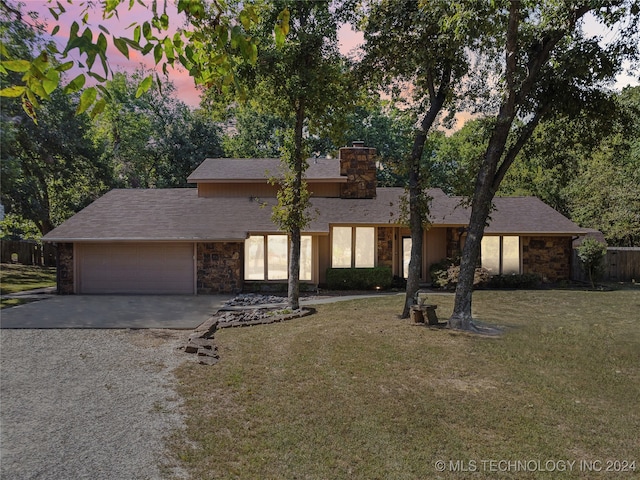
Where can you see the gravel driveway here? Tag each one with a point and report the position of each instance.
(92, 404)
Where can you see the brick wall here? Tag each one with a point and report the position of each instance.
(385, 247)
(219, 267)
(549, 257)
(358, 164)
(65, 269)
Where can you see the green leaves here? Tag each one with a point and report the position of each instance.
(281, 28)
(144, 86)
(17, 65)
(13, 91)
(86, 99)
(121, 45)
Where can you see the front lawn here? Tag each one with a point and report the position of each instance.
(18, 278)
(354, 392)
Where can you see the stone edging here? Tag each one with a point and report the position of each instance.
(201, 340)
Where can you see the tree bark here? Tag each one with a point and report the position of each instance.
(293, 284)
(418, 209)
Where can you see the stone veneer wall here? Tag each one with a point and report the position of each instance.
(219, 267)
(385, 247)
(358, 164)
(549, 257)
(65, 269)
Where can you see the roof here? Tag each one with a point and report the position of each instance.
(180, 215)
(230, 170)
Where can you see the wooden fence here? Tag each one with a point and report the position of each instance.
(620, 265)
(28, 252)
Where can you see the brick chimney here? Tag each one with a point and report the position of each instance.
(358, 164)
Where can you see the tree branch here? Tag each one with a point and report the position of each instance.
(522, 139)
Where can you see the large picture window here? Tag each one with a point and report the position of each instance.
(501, 254)
(267, 257)
(353, 247)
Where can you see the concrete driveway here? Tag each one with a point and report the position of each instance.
(114, 311)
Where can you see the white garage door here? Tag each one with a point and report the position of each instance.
(136, 268)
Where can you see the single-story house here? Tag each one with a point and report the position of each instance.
(217, 237)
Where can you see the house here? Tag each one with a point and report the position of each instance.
(219, 237)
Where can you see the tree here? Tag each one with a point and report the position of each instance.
(423, 45)
(605, 193)
(50, 170)
(153, 140)
(381, 124)
(257, 133)
(303, 83)
(549, 66)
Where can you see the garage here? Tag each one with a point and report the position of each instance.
(136, 268)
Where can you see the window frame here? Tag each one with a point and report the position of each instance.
(501, 251)
(354, 245)
(265, 257)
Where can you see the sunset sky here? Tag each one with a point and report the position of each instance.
(184, 84)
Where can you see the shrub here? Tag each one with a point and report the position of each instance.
(525, 280)
(445, 273)
(359, 278)
(591, 254)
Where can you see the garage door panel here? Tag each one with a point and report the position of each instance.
(136, 268)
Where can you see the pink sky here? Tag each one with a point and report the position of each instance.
(118, 62)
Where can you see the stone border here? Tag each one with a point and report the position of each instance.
(201, 340)
(303, 312)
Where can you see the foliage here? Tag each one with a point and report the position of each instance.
(591, 253)
(445, 274)
(304, 83)
(605, 194)
(14, 227)
(257, 134)
(211, 50)
(153, 140)
(359, 278)
(515, 281)
(52, 169)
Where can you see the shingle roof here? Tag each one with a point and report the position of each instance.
(180, 215)
(258, 169)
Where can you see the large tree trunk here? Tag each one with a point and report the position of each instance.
(418, 202)
(417, 230)
(293, 284)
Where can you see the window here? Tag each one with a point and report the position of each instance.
(341, 247)
(267, 257)
(406, 256)
(254, 258)
(277, 262)
(353, 247)
(501, 255)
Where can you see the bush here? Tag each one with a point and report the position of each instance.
(591, 254)
(359, 278)
(525, 280)
(445, 273)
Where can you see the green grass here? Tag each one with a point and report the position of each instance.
(354, 392)
(18, 278)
